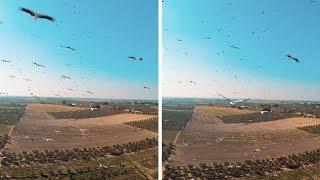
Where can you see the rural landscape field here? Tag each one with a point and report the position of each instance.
(221, 141)
(49, 140)
(79, 91)
(241, 90)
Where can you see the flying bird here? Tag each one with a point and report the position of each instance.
(293, 58)
(71, 89)
(65, 77)
(103, 166)
(26, 137)
(26, 79)
(4, 93)
(39, 65)
(233, 103)
(37, 97)
(234, 47)
(193, 82)
(6, 61)
(89, 92)
(68, 47)
(146, 87)
(11, 76)
(46, 139)
(37, 15)
(135, 58)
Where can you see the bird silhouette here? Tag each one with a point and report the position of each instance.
(37, 15)
(39, 65)
(293, 58)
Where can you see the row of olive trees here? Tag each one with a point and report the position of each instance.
(242, 169)
(315, 129)
(167, 151)
(94, 171)
(3, 141)
(150, 124)
(85, 154)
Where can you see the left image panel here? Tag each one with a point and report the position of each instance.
(79, 89)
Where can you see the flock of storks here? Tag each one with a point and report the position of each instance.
(191, 82)
(37, 15)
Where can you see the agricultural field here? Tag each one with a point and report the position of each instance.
(86, 113)
(13, 105)
(175, 119)
(307, 172)
(149, 124)
(168, 136)
(39, 131)
(4, 129)
(241, 141)
(148, 160)
(88, 162)
(53, 107)
(11, 115)
(223, 111)
(102, 146)
(4, 139)
(295, 166)
(208, 139)
(255, 117)
(315, 129)
(179, 107)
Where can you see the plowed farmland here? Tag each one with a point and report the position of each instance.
(39, 131)
(104, 147)
(11, 115)
(207, 138)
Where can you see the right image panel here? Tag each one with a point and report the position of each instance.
(241, 89)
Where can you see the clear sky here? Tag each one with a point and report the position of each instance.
(265, 32)
(103, 34)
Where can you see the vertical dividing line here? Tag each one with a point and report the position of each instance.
(160, 89)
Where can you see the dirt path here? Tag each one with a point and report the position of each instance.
(140, 168)
(10, 132)
(176, 139)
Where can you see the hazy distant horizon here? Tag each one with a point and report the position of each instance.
(232, 98)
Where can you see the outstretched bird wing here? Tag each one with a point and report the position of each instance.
(243, 100)
(225, 97)
(46, 17)
(28, 11)
(89, 92)
(39, 65)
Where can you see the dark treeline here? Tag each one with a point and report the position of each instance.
(47, 156)
(242, 169)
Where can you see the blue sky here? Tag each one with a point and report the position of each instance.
(265, 32)
(104, 34)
